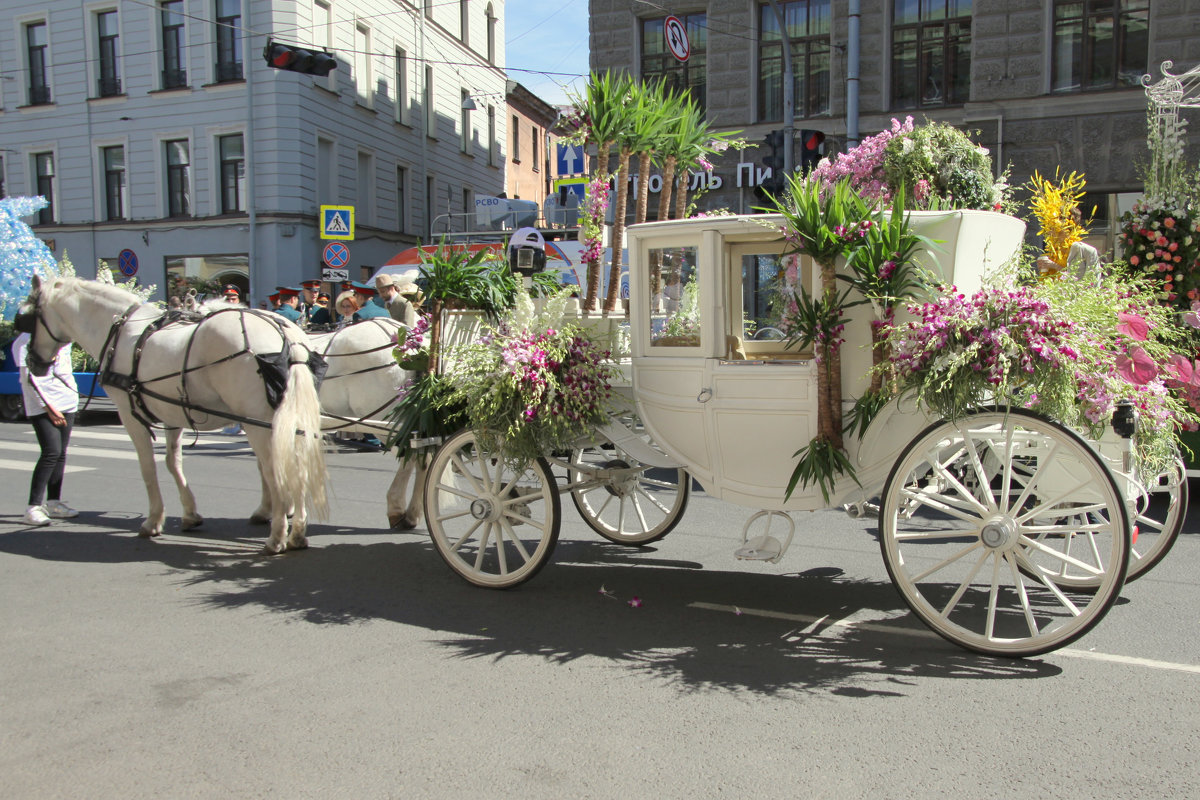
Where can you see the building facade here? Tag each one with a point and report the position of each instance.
(529, 172)
(167, 145)
(1044, 84)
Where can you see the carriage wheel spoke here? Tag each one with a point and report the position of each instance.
(1066, 558)
(1023, 595)
(1042, 463)
(652, 499)
(483, 543)
(980, 474)
(962, 587)
(458, 543)
(993, 597)
(941, 503)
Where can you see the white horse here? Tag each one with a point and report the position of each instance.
(361, 387)
(180, 373)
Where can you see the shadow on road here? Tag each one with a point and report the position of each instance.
(685, 632)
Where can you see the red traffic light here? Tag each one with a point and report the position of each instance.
(298, 59)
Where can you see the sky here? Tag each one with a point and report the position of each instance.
(546, 46)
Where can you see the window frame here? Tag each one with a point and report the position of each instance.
(39, 93)
(44, 184)
(932, 26)
(464, 123)
(115, 196)
(173, 40)
(228, 42)
(402, 199)
(1084, 56)
(660, 64)
(108, 77)
(181, 174)
(806, 49)
(232, 175)
(403, 114)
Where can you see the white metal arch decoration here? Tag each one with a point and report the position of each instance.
(1167, 95)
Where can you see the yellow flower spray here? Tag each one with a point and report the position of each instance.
(1054, 203)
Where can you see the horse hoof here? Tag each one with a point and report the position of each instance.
(302, 544)
(401, 523)
(148, 533)
(259, 519)
(269, 550)
(192, 522)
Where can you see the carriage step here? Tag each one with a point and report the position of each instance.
(765, 547)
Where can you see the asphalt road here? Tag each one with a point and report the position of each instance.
(193, 666)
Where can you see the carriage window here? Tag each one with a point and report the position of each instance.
(674, 297)
(761, 284)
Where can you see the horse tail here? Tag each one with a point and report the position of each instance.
(297, 445)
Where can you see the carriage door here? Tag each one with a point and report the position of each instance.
(763, 403)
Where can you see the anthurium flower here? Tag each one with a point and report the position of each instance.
(1137, 367)
(1133, 326)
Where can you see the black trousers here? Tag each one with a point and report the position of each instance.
(48, 472)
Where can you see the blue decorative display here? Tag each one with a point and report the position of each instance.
(21, 253)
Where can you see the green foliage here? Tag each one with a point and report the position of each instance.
(818, 222)
(881, 260)
(459, 278)
(865, 409)
(426, 410)
(821, 463)
(939, 161)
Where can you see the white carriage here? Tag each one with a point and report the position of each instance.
(1005, 532)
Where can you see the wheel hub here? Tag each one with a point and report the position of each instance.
(619, 487)
(482, 509)
(999, 533)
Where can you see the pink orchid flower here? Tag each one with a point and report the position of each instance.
(1192, 317)
(1137, 367)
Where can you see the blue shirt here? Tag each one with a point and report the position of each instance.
(289, 312)
(371, 310)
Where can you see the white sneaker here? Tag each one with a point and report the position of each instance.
(57, 509)
(36, 515)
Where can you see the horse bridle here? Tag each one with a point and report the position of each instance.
(28, 322)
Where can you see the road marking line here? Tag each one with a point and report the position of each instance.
(93, 452)
(26, 466)
(824, 621)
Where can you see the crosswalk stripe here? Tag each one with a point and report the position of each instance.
(27, 466)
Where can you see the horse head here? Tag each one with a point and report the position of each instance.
(37, 316)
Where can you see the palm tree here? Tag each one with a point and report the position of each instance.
(669, 106)
(646, 117)
(602, 110)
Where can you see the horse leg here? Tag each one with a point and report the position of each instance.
(260, 441)
(416, 506)
(262, 514)
(140, 435)
(174, 459)
(395, 498)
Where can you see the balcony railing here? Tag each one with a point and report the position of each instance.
(174, 78)
(39, 95)
(229, 71)
(108, 87)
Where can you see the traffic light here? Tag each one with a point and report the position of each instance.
(773, 158)
(298, 59)
(810, 149)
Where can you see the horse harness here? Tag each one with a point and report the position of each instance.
(386, 365)
(273, 367)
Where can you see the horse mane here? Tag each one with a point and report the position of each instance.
(69, 286)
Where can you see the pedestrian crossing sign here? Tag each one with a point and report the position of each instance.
(337, 222)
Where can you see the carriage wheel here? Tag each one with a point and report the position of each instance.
(629, 508)
(495, 525)
(978, 518)
(1158, 517)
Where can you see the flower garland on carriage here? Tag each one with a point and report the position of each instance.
(1070, 350)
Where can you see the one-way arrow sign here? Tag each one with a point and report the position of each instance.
(570, 159)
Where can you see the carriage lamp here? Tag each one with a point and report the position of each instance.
(1124, 420)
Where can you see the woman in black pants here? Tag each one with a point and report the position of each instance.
(50, 404)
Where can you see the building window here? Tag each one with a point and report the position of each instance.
(43, 170)
(39, 84)
(533, 145)
(326, 174)
(427, 100)
(491, 156)
(401, 87)
(1100, 44)
(362, 63)
(464, 22)
(931, 53)
(464, 124)
(366, 188)
(109, 80)
(174, 74)
(491, 34)
(808, 30)
(179, 168)
(114, 181)
(516, 146)
(430, 202)
(659, 64)
(233, 173)
(229, 40)
(468, 207)
(401, 199)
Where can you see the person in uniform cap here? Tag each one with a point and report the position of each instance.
(231, 294)
(274, 300)
(367, 307)
(308, 297)
(289, 302)
(391, 297)
(320, 313)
